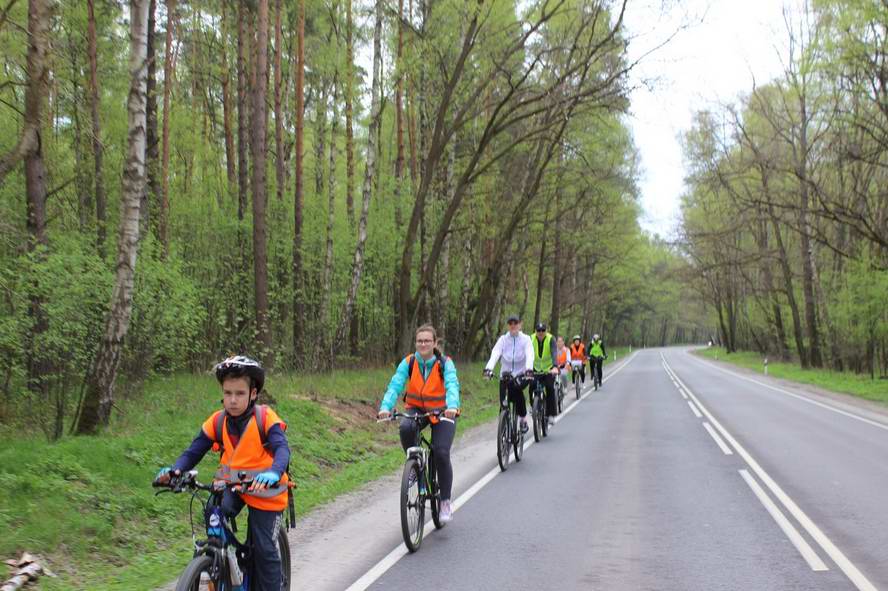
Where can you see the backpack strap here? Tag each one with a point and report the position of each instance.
(218, 437)
(260, 413)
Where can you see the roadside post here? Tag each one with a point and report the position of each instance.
(766, 366)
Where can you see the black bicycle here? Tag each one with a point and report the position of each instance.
(538, 407)
(419, 483)
(221, 562)
(509, 436)
(559, 393)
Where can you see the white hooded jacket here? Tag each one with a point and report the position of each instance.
(515, 354)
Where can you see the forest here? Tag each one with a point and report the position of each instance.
(306, 182)
(785, 219)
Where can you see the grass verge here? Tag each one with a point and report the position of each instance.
(841, 382)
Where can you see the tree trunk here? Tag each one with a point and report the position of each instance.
(348, 308)
(39, 21)
(260, 148)
(349, 125)
(815, 356)
(243, 115)
(152, 204)
(298, 283)
(278, 112)
(557, 271)
(790, 292)
(320, 143)
(327, 275)
(230, 162)
(99, 391)
(169, 69)
(98, 149)
(540, 271)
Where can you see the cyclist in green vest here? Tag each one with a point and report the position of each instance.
(597, 355)
(545, 366)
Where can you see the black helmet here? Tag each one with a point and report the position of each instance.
(238, 366)
(541, 326)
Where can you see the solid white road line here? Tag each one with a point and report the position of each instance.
(850, 415)
(390, 559)
(788, 528)
(718, 440)
(842, 561)
(694, 409)
(682, 392)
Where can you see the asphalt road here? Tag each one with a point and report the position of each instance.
(632, 491)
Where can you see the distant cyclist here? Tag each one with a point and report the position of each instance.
(597, 355)
(514, 351)
(578, 359)
(564, 362)
(545, 362)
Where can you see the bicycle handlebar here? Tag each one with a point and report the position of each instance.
(188, 481)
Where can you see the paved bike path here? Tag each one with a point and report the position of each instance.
(628, 492)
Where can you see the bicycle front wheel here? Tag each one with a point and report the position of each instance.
(503, 440)
(284, 547)
(202, 574)
(579, 388)
(537, 419)
(412, 505)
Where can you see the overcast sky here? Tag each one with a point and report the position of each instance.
(725, 43)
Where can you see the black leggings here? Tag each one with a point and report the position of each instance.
(595, 366)
(516, 395)
(442, 439)
(578, 370)
(549, 382)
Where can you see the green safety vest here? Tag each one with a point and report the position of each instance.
(542, 353)
(595, 349)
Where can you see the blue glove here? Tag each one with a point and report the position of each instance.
(267, 478)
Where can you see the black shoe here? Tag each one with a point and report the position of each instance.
(523, 426)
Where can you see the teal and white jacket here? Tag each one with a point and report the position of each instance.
(398, 383)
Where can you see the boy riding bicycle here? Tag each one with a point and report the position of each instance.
(237, 431)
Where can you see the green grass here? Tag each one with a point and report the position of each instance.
(85, 503)
(843, 382)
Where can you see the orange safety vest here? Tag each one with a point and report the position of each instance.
(251, 457)
(562, 357)
(578, 353)
(426, 394)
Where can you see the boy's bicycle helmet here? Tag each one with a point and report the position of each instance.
(239, 366)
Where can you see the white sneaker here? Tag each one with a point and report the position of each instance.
(446, 514)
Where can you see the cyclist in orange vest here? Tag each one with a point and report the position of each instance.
(578, 359)
(245, 449)
(429, 382)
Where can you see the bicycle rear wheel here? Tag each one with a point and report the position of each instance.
(503, 440)
(284, 547)
(412, 505)
(537, 419)
(517, 436)
(434, 493)
(579, 387)
(202, 574)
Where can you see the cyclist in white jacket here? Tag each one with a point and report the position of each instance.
(514, 351)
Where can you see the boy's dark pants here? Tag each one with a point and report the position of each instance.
(263, 531)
